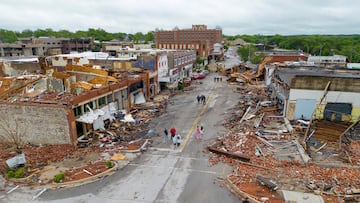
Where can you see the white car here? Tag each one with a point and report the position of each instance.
(205, 72)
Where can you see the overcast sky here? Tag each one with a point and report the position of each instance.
(264, 17)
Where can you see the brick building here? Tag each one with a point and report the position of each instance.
(197, 38)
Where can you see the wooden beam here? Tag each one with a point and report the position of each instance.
(265, 181)
(229, 154)
(347, 129)
(312, 115)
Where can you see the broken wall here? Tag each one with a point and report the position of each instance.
(39, 124)
(342, 90)
(122, 65)
(332, 96)
(59, 61)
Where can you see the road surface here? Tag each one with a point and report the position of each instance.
(163, 174)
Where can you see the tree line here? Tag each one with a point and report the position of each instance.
(325, 45)
(8, 36)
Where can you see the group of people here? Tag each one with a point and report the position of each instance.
(217, 79)
(175, 138)
(201, 99)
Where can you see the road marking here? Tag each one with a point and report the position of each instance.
(14, 188)
(38, 195)
(179, 157)
(196, 121)
(174, 168)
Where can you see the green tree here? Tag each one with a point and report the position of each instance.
(247, 52)
(149, 37)
(199, 60)
(138, 36)
(119, 36)
(80, 34)
(26, 33)
(7, 36)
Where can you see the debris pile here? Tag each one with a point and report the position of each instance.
(120, 135)
(273, 156)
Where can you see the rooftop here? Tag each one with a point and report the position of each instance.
(286, 74)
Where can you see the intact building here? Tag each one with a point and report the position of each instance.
(197, 38)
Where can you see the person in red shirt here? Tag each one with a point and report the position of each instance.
(172, 132)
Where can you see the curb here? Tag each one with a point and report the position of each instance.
(25, 181)
(84, 180)
(238, 193)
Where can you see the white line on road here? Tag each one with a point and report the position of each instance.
(38, 195)
(175, 168)
(179, 157)
(14, 188)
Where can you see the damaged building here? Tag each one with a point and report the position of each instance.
(63, 107)
(300, 91)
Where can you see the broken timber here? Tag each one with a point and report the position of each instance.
(347, 129)
(314, 112)
(229, 154)
(268, 183)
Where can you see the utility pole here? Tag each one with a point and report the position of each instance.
(321, 49)
(249, 53)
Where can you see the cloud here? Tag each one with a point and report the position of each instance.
(234, 16)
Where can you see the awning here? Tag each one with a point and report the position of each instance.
(104, 113)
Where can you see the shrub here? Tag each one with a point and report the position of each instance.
(59, 177)
(19, 173)
(10, 174)
(109, 164)
(181, 86)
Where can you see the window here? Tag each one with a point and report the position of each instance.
(102, 102)
(109, 98)
(77, 111)
(90, 105)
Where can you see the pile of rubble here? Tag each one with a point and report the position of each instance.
(119, 136)
(269, 154)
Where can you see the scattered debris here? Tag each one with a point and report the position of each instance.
(315, 166)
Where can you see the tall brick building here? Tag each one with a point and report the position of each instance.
(198, 38)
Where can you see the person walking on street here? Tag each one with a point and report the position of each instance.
(197, 133)
(174, 141)
(246, 200)
(172, 132)
(198, 98)
(203, 99)
(178, 140)
(166, 135)
(201, 131)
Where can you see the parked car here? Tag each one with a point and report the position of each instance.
(198, 76)
(205, 72)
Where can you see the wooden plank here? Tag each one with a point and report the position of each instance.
(229, 154)
(268, 183)
(312, 115)
(347, 129)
